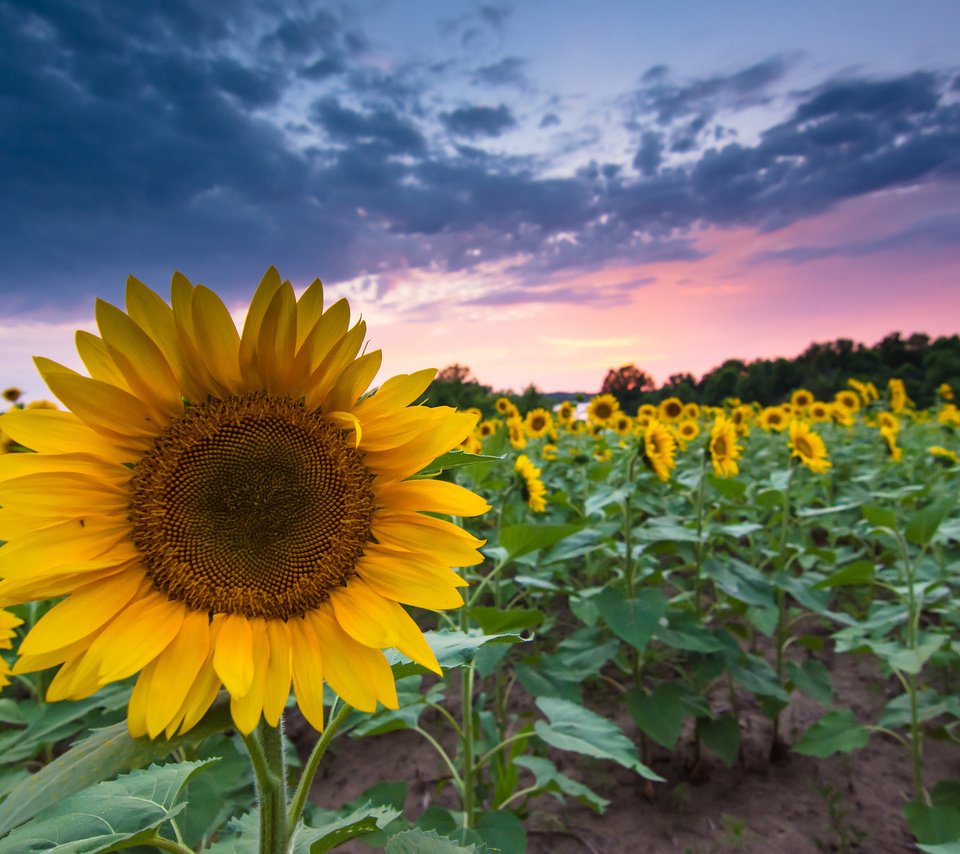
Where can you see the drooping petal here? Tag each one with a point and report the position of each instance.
(433, 496)
(308, 671)
(233, 655)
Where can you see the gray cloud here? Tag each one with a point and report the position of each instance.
(479, 121)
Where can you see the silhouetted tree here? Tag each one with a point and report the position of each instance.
(627, 384)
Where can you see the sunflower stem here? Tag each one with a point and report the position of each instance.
(468, 736)
(165, 844)
(337, 717)
(265, 746)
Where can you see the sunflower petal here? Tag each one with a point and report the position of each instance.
(308, 671)
(233, 655)
(246, 710)
(364, 614)
(52, 431)
(433, 496)
(277, 689)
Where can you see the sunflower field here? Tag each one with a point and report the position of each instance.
(228, 566)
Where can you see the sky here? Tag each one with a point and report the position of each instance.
(539, 190)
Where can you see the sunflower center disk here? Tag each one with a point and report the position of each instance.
(252, 505)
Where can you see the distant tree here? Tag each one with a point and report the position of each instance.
(627, 384)
(456, 386)
(532, 398)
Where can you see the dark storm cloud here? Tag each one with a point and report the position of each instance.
(549, 120)
(479, 121)
(139, 138)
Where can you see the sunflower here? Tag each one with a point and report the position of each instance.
(488, 428)
(772, 418)
(801, 398)
(622, 424)
(602, 408)
(515, 433)
(224, 508)
(687, 431)
(505, 406)
(646, 410)
(894, 451)
(691, 412)
(8, 623)
(531, 487)
(670, 409)
(538, 423)
(888, 421)
(938, 452)
(660, 448)
(566, 412)
(898, 395)
(945, 391)
(724, 448)
(12, 394)
(742, 417)
(848, 401)
(549, 451)
(819, 411)
(949, 415)
(808, 447)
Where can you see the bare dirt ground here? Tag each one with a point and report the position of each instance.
(800, 805)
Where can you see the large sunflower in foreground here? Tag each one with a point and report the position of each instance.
(224, 508)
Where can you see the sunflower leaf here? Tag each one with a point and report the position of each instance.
(456, 460)
(336, 829)
(103, 754)
(110, 815)
(417, 841)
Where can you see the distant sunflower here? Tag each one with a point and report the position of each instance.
(549, 451)
(602, 408)
(531, 486)
(801, 398)
(819, 411)
(647, 410)
(943, 454)
(538, 423)
(691, 412)
(888, 421)
(516, 434)
(772, 418)
(808, 447)
(488, 428)
(660, 449)
(898, 395)
(894, 451)
(687, 431)
(724, 449)
(848, 401)
(945, 391)
(566, 412)
(742, 417)
(949, 415)
(8, 624)
(505, 406)
(622, 424)
(12, 394)
(224, 508)
(670, 409)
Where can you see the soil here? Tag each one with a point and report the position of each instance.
(755, 806)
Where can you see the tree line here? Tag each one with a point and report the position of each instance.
(823, 368)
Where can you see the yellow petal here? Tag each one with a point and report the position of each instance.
(21, 465)
(175, 670)
(395, 393)
(442, 541)
(324, 335)
(216, 337)
(447, 430)
(364, 614)
(139, 634)
(143, 366)
(309, 310)
(63, 544)
(97, 361)
(433, 496)
(233, 655)
(112, 412)
(414, 645)
(14, 591)
(278, 341)
(353, 382)
(277, 689)
(307, 671)
(323, 378)
(52, 431)
(405, 578)
(64, 495)
(199, 699)
(246, 710)
(249, 339)
(81, 614)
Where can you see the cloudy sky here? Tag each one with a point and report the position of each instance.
(540, 190)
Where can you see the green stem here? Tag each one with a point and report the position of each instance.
(265, 746)
(169, 845)
(782, 622)
(469, 768)
(697, 578)
(335, 719)
(628, 568)
(485, 757)
(913, 630)
(457, 780)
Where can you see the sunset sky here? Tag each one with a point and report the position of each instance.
(538, 190)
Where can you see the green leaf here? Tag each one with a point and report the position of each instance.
(765, 619)
(495, 620)
(502, 831)
(519, 540)
(728, 487)
(631, 620)
(666, 528)
(579, 730)
(880, 517)
(933, 825)
(107, 816)
(835, 732)
(455, 460)
(104, 754)
(417, 841)
(452, 648)
(857, 572)
(813, 678)
(659, 714)
(337, 828)
(905, 659)
(758, 677)
(923, 524)
(722, 736)
(241, 836)
(548, 779)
